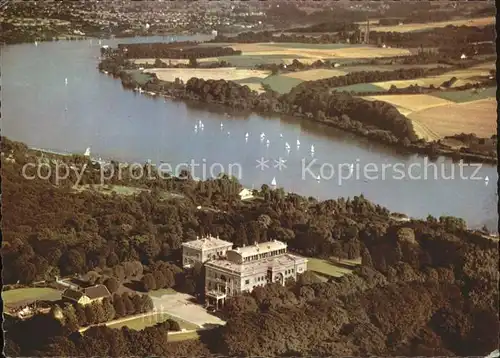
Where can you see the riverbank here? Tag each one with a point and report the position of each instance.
(270, 103)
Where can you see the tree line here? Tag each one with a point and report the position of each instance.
(174, 50)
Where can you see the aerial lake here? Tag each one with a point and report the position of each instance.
(93, 110)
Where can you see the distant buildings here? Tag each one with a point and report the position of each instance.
(230, 272)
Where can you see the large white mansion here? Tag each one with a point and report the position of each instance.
(229, 271)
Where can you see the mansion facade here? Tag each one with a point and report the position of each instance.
(230, 272)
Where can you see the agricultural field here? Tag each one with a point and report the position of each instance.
(479, 22)
(30, 294)
(470, 75)
(315, 74)
(409, 103)
(227, 73)
(281, 84)
(360, 87)
(477, 117)
(466, 96)
(315, 52)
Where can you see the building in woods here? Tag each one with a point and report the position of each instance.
(203, 249)
(248, 267)
(86, 295)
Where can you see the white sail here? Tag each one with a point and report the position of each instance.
(66, 81)
(281, 135)
(287, 145)
(312, 148)
(273, 182)
(298, 142)
(268, 142)
(87, 152)
(246, 135)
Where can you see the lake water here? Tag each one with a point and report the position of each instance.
(93, 110)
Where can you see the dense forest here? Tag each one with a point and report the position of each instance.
(174, 50)
(425, 287)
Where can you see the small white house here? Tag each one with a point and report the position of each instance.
(245, 194)
(463, 57)
(336, 65)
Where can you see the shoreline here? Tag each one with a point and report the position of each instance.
(432, 150)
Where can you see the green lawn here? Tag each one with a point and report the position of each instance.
(162, 292)
(183, 336)
(466, 96)
(360, 87)
(281, 84)
(324, 267)
(143, 322)
(30, 294)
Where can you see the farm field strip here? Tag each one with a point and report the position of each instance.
(477, 117)
(411, 102)
(315, 74)
(479, 22)
(227, 73)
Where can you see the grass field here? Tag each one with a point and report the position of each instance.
(477, 117)
(327, 268)
(315, 52)
(360, 87)
(161, 292)
(143, 322)
(281, 84)
(315, 74)
(409, 103)
(30, 294)
(228, 74)
(183, 336)
(109, 189)
(479, 22)
(466, 96)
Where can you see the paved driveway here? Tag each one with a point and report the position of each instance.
(179, 305)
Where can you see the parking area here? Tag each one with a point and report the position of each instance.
(181, 305)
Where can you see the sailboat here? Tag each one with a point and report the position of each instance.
(87, 152)
(66, 81)
(36, 43)
(287, 146)
(273, 182)
(221, 126)
(246, 135)
(486, 180)
(228, 134)
(312, 148)
(262, 135)
(318, 178)
(298, 142)
(196, 128)
(281, 135)
(268, 142)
